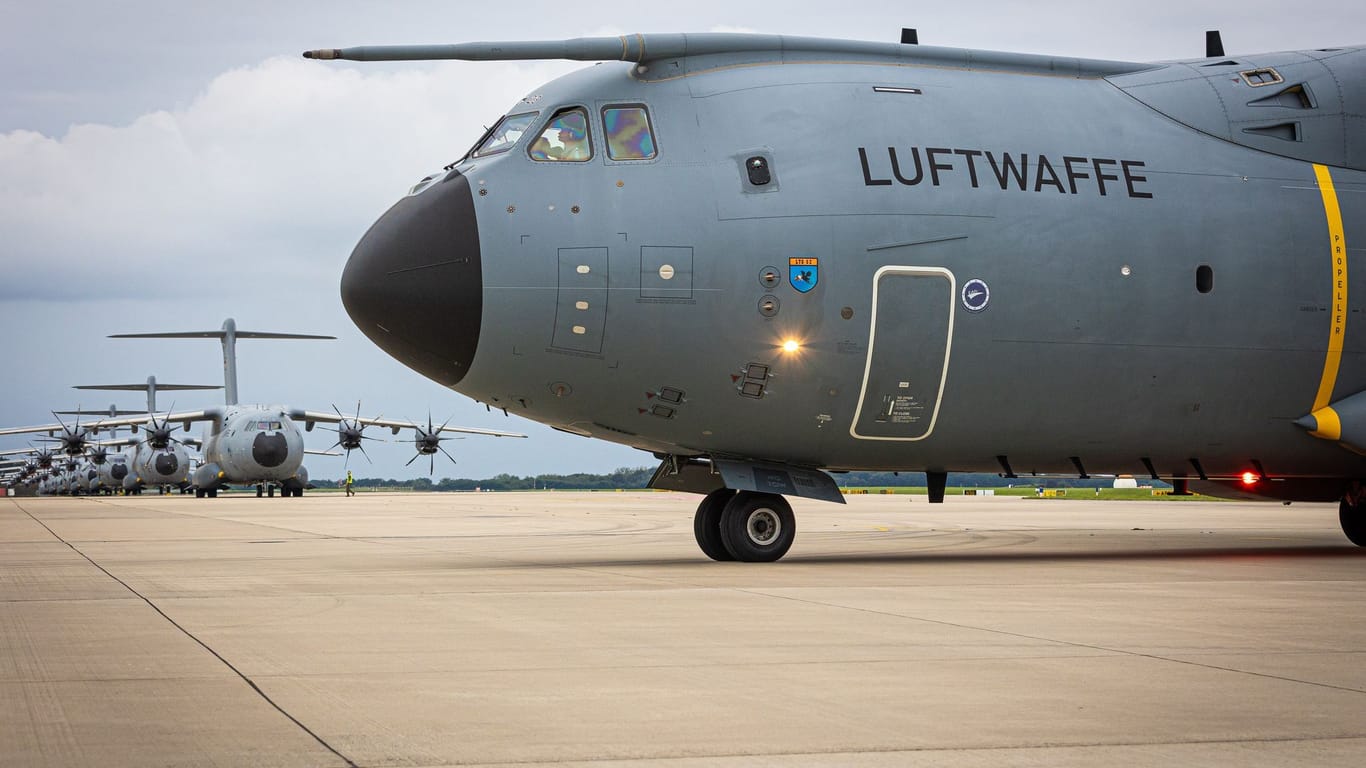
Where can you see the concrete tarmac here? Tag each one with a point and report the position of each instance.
(586, 628)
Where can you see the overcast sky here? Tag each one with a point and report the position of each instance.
(167, 164)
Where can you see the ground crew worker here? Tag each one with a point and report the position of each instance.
(349, 482)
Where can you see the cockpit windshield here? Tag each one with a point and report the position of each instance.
(504, 134)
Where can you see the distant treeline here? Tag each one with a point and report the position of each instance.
(630, 478)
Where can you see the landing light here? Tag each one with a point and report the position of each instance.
(1249, 478)
(791, 345)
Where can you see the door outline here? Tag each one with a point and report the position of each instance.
(872, 347)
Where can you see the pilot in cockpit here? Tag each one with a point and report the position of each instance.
(564, 139)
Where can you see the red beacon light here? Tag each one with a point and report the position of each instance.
(1250, 478)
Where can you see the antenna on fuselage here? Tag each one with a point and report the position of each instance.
(1214, 44)
(151, 387)
(228, 335)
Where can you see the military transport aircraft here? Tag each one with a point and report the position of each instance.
(761, 257)
(129, 464)
(154, 460)
(259, 445)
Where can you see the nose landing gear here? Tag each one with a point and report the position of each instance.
(746, 526)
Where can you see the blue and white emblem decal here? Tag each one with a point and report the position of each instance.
(975, 295)
(803, 273)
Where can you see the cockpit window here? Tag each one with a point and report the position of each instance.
(628, 132)
(565, 138)
(504, 134)
(268, 425)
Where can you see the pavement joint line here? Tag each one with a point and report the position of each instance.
(1071, 643)
(899, 750)
(251, 683)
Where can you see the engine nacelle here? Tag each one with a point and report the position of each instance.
(208, 476)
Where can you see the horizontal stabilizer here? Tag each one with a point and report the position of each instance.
(141, 388)
(228, 335)
(216, 335)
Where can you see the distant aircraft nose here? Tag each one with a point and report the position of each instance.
(414, 282)
(269, 449)
(167, 463)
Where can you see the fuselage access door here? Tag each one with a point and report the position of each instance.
(910, 338)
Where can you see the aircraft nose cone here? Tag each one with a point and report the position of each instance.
(414, 282)
(269, 450)
(167, 463)
(119, 472)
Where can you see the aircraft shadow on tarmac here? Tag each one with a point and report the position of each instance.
(1135, 555)
(984, 557)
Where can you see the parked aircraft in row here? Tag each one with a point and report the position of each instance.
(242, 444)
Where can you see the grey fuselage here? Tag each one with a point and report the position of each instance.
(252, 444)
(157, 466)
(1164, 291)
(115, 469)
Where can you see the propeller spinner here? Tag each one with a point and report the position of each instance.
(350, 434)
(428, 442)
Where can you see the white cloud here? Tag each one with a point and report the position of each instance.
(286, 162)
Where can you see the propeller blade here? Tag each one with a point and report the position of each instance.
(448, 455)
(431, 464)
(414, 458)
(362, 452)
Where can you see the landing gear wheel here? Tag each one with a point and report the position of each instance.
(270, 491)
(212, 493)
(757, 527)
(706, 525)
(199, 493)
(1352, 517)
(260, 491)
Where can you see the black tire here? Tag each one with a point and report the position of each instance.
(1352, 518)
(706, 525)
(758, 527)
(211, 493)
(270, 491)
(260, 491)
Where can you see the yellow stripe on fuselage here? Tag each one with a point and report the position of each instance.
(1337, 243)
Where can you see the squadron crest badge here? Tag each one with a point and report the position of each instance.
(803, 273)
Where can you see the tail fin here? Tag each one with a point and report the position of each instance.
(229, 335)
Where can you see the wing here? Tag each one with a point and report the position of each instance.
(119, 442)
(394, 425)
(212, 414)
